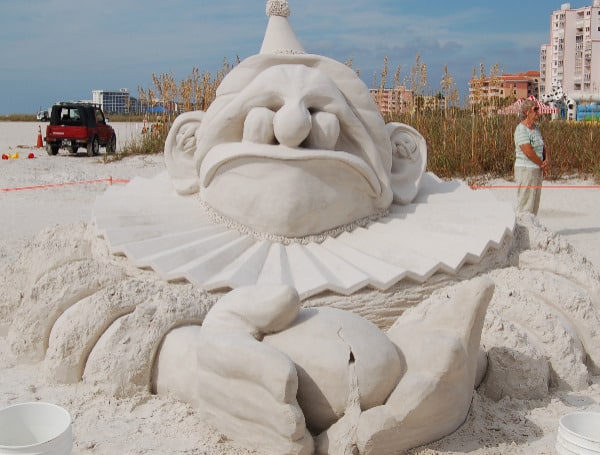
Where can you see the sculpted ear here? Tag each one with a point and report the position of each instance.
(180, 147)
(409, 158)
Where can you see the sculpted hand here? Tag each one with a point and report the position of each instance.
(247, 387)
(440, 343)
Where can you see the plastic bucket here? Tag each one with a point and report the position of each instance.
(35, 429)
(579, 433)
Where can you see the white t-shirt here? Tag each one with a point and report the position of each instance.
(524, 135)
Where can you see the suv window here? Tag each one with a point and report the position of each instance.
(68, 116)
(99, 116)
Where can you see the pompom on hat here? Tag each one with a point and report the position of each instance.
(278, 8)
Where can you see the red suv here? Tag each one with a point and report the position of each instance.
(74, 125)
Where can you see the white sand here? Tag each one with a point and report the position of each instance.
(152, 425)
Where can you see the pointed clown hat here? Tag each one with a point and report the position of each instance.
(279, 36)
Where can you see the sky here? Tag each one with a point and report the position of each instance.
(55, 50)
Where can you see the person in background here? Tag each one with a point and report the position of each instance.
(531, 159)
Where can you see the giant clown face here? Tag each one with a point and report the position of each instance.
(294, 146)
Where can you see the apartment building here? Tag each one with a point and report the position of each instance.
(572, 57)
(513, 86)
(397, 100)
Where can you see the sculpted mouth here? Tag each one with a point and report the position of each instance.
(228, 153)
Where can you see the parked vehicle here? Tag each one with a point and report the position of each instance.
(76, 124)
(43, 116)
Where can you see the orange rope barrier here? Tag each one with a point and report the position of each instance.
(546, 187)
(110, 180)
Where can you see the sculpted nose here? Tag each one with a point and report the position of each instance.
(292, 124)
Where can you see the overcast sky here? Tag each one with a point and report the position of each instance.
(52, 50)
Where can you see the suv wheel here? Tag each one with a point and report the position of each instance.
(93, 147)
(52, 149)
(111, 146)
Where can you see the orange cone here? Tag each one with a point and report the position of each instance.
(40, 142)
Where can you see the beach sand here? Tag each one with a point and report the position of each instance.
(146, 424)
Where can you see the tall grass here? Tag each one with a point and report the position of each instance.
(464, 144)
(574, 147)
(18, 118)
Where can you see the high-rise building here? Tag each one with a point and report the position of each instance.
(116, 102)
(571, 59)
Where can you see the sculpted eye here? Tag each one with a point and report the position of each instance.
(324, 132)
(258, 126)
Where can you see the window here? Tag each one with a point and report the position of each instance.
(99, 116)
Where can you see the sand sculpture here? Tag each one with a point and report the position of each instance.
(268, 372)
(343, 331)
(301, 136)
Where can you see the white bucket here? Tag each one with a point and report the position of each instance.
(35, 429)
(579, 433)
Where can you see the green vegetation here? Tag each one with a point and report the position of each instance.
(18, 118)
(196, 92)
(149, 143)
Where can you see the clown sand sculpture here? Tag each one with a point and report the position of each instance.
(286, 204)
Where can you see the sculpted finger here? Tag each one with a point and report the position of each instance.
(189, 349)
(255, 310)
